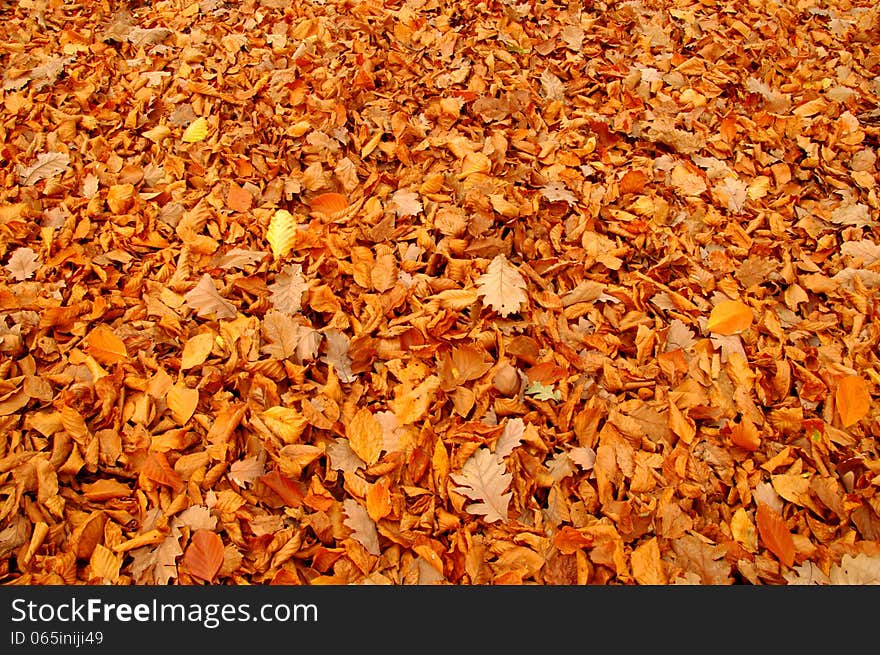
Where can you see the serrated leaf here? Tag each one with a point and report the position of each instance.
(282, 333)
(287, 289)
(502, 286)
(343, 458)
(239, 258)
(543, 392)
(195, 131)
(22, 264)
(484, 478)
(281, 234)
(246, 471)
(362, 526)
(48, 164)
(729, 317)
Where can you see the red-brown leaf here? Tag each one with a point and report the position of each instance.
(204, 555)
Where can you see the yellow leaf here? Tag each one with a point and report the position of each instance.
(647, 566)
(729, 317)
(365, 436)
(105, 346)
(182, 402)
(743, 530)
(287, 424)
(281, 234)
(196, 350)
(853, 400)
(196, 131)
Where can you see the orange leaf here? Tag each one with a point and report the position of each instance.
(330, 204)
(546, 373)
(290, 494)
(632, 182)
(156, 468)
(365, 435)
(379, 500)
(105, 346)
(745, 434)
(853, 400)
(204, 555)
(237, 199)
(729, 317)
(569, 540)
(775, 534)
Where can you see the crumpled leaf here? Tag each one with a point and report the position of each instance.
(48, 164)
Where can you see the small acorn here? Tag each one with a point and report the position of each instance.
(506, 380)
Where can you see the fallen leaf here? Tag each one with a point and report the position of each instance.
(852, 399)
(105, 346)
(22, 264)
(204, 555)
(774, 534)
(729, 317)
(195, 131)
(502, 286)
(484, 479)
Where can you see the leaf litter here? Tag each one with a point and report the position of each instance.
(429, 292)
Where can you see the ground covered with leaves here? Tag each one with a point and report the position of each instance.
(342, 292)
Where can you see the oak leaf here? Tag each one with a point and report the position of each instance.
(484, 478)
(247, 470)
(22, 264)
(502, 286)
(48, 164)
(405, 202)
(337, 354)
(362, 526)
(860, 569)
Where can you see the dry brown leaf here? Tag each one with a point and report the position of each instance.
(502, 287)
